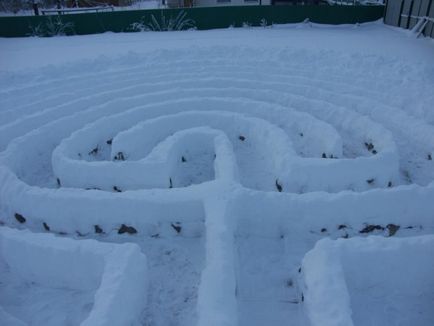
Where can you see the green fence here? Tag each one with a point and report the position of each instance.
(204, 18)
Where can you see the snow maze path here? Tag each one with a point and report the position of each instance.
(231, 166)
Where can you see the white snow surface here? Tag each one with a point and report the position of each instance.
(371, 281)
(46, 280)
(224, 156)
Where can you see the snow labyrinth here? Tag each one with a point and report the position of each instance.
(248, 159)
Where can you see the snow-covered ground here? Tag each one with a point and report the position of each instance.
(377, 294)
(225, 155)
(51, 281)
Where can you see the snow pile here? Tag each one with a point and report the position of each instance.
(370, 281)
(114, 275)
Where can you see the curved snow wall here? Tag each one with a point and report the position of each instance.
(199, 18)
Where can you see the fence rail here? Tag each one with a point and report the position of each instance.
(417, 15)
(72, 10)
(200, 18)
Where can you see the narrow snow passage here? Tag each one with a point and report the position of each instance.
(265, 284)
(174, 267)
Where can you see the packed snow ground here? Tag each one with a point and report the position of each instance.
(376, 294)
(51, 281)
(225, 156)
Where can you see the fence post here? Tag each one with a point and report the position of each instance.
(426, 13)
(385, 11)
(35, 8)
(430, 9)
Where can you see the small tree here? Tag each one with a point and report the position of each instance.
(12, 5)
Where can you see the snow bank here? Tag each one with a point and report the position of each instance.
(385, 281)
(117, 273)
(217, 302)
(156, 170)
(148, 211)
(274, 214)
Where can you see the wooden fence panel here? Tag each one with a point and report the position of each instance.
(393, 12)
(412, 20)
(406, 14)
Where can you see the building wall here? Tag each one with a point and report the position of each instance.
(81, 3)
(211, 3)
